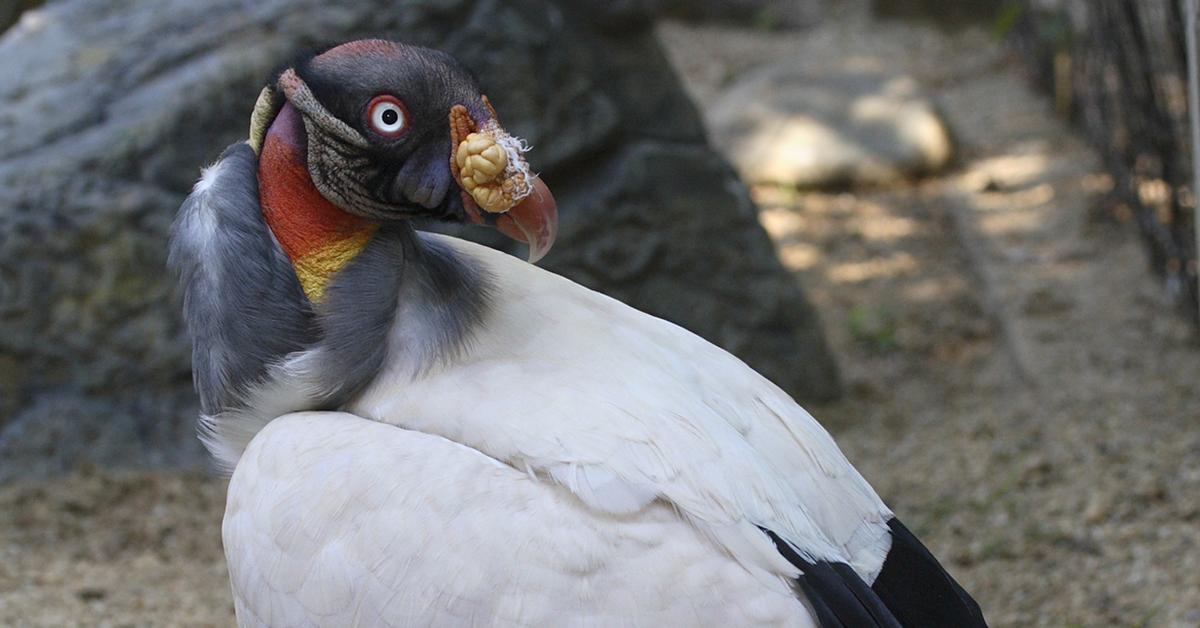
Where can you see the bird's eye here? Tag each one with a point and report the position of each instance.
(387, 116)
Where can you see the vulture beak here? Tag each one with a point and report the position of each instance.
(533, 220)
(498, 188)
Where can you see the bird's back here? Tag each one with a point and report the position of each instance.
(333, 520)
(574, 461)
(624, 408)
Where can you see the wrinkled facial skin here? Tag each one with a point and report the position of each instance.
(377, 175)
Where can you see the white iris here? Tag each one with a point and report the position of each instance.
(387, 117)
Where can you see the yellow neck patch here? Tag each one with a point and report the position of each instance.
(317, 266)
(317, 236)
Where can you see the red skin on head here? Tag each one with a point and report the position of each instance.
(302, 219)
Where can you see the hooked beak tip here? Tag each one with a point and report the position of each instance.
(533, 221)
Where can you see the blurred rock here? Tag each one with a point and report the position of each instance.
(767, 14)
(108, 108)
(958, 14)
(760, 13)
(781, 126)
(11, 10)
(1099, 506)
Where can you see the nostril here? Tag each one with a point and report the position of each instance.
(421, 196)
(396, 192)
(420, 183)
(415, 189)
(423, 179)
(439, 183)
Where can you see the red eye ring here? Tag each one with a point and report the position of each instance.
(386, 115)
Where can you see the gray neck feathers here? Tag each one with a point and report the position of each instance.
(399, 275)
(242, 303)
(400, 278)
(260, 349)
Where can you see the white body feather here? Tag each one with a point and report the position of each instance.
(337, 521)
(579, 463)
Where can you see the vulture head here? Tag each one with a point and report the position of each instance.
(384, 131)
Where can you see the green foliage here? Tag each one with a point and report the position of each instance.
(767, 19)
(1053, 28)
(1007, 18)
(874, 327)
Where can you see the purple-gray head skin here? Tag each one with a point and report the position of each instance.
(394, 131)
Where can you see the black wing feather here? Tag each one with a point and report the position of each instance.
(866, 596)
(912, 590)
(917, 588)
(837, 594)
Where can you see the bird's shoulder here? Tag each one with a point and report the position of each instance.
(624, 408)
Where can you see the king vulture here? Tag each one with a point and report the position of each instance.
(422, 431)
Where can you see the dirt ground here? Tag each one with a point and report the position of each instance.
(1017, 389)
(1019, 392)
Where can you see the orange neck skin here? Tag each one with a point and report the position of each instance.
(317, 236)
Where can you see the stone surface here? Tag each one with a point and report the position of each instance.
(10, 10)
(109, 107)
(759, 13)
(786, 126)
(763, 14)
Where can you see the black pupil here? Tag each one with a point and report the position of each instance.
(390, 117)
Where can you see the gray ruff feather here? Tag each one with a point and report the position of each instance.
(242, 303)
(260, 350)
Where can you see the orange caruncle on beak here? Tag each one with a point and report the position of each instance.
(497, 187)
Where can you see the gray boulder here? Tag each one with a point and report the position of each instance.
(759, 13)
(109, 107)
(787, 126)
(10, 10)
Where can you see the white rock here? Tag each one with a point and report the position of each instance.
(782, 126)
